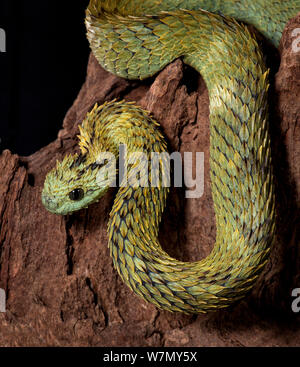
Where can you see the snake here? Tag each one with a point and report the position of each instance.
(135, 40)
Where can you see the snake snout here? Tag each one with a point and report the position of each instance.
(49, 203)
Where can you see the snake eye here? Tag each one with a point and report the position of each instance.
(76, 194)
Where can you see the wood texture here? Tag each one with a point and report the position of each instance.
(59, 280)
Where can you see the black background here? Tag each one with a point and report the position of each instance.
(41, 71)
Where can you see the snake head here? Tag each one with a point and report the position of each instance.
(74, 184)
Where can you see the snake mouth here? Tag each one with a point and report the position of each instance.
(51, 205)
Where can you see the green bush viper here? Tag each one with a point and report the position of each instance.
(135, 39)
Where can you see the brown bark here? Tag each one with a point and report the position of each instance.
(57, 273)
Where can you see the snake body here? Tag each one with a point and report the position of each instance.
(134, 39)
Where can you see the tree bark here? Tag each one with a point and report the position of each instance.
(60, 284)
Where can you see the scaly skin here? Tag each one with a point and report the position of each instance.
(133, 46)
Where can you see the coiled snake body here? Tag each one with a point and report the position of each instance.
(134, 40)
